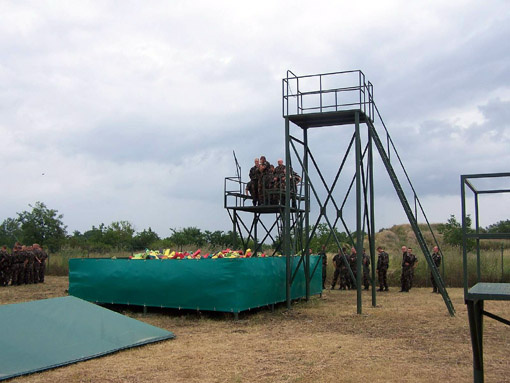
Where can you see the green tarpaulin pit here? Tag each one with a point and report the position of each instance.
(223, 284)
(50, 333)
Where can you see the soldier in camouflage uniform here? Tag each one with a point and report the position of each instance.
(366, 270)
(337, 263)
(352, 263)
(253, 185)
(404, 254)
(436, 258)
(383, 262)
(37, 263)
(42, 257)
(17, 264)
(345, 280)
(29, 266)
(409, 262)
(324, 258)
(4, 266)
(414, 263)
(279, 177)
(263, 179)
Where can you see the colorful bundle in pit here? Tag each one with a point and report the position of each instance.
(172, 254)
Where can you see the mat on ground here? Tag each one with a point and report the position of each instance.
(49, 333)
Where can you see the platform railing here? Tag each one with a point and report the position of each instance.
(327, 92)
(235, 193)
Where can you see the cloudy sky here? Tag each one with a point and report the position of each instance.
(130, 110)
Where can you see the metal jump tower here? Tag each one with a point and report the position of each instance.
(311, 103)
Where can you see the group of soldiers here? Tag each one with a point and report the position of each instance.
(24, 265)
(267, 183)
(345, 269)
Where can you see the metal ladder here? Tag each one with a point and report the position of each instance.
(412, 219)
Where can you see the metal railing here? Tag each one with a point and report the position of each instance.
(327, 92)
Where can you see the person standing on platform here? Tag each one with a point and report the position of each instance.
(383, 262)
(366, 270)
(279, 178)
(324, 265)
(263, 179)
(253, 185)
(436, 258)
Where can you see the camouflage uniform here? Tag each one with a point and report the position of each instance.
(253, 185)
(344, 273)
(408, 262)
(279, 175)
(29, 265)
(337, 262)
(37, 264)
(324, 266)
(366, 270)
(41, 256)
(264, 180)
(352, 263)
(17, 266)
(383, 262)
(4, 267)
(436, 258)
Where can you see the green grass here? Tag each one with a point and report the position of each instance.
(58, 263)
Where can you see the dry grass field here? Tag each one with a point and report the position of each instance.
(408, 337)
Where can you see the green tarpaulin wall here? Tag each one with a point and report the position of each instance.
(54, 332)
(223, 284)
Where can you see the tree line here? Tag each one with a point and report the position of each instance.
(45, 226)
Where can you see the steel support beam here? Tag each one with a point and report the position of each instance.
(359, 207)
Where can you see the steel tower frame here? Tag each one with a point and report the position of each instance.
(342, 99)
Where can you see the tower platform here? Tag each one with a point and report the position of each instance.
(317, 120)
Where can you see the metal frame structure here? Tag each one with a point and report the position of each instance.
(338, 99)
(475, 296)
(261, 223)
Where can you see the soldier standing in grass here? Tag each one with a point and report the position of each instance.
(37, 262)
(414, 263)
(337, 262)
(409, 262)
(17, 264)
(404, 254)
(324, 264)
(436, 258)
(344, 272)
(352, 263)
(29, 265)
(366, 270)
(4, 266)
(383, 262)
(41, 254)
